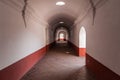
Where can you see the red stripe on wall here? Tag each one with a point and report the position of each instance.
(18, 69)
(101, 72)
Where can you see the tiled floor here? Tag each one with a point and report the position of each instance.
(60, 63)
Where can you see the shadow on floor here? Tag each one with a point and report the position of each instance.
(82, 74)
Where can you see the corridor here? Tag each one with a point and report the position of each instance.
(60, 63)
(86, 34)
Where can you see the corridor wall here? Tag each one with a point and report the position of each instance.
(20, 46)
(103, 54)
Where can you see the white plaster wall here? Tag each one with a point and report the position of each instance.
(51, 35)
(103, 38)
(16, 41)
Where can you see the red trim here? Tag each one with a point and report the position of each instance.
(61, 39)
(102, 72)
(82, 52)
(18, 69)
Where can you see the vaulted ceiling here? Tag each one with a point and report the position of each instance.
(47, 8)
(48, 11)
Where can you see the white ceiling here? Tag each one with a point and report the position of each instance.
(46, 9)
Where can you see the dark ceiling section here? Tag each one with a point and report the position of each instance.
(55, 24)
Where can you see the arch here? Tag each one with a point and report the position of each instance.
(82, 41)
(61, 35)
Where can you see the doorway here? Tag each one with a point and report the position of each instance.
(82, 42)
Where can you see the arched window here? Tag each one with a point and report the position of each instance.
(82, 42)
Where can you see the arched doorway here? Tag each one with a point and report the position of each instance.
(62, 36)
(82, 42)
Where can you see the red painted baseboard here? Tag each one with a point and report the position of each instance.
(18, 69)
(82, 52)
(101, 72)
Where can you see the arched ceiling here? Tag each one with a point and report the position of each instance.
(55, 20)
(47, 8)
(47, 11)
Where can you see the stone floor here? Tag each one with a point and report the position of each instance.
(60, 63)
